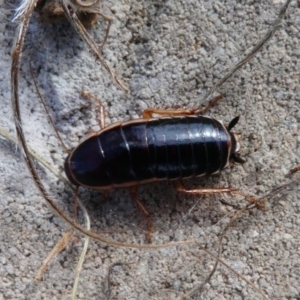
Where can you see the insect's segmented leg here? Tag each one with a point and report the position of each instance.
(101, 111)
(295, 170)
(148, 113)
(143, 209)
(210, 104)
(180, 188)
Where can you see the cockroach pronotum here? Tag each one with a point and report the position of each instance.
(181, 145)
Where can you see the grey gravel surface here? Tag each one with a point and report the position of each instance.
(170, 53)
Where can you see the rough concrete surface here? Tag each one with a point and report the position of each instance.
(170, 53)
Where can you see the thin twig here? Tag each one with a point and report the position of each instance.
(232, 270)
(61, 245)
(199, 288)
(9, 137)
(83, 254)
(252, 53)
(219, 260)
(93, 47)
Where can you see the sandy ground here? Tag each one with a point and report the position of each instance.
(170, 54)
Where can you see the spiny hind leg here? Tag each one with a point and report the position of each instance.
(295, 170)
(145, 212)
(203, 191)
(148, 113)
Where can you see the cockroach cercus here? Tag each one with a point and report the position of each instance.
(180, 145)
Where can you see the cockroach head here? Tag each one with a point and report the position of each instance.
(235, 145)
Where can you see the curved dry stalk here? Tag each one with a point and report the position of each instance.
(83, 253)
(62, 243)
(86, 10)
(232, 270)
(251, 54)
(200, 287)
(282, 189)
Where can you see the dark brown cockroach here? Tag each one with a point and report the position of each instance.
(140, 151)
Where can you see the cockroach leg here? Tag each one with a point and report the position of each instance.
(181, 189)
(203, 191)
(148, 113)
(101, 112)
(228, 204)
(145, 212)
(295, 170)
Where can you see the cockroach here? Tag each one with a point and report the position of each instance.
(139, 151)
(181, 145)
